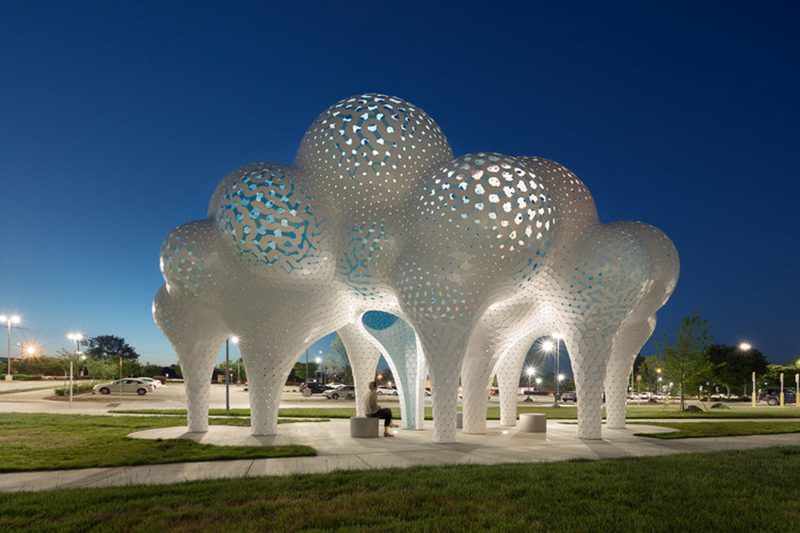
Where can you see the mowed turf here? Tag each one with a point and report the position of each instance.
(568, 412)
(754, 490)
(52, 442)
(686, 430)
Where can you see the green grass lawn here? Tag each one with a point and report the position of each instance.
(754, 490)
(493, 413)
(28, 389)
(721, 429)
(51, 442)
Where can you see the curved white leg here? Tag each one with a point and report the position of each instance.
(363, 355)
(509, 369)
(627, 343)
(196, 334)
(397, 341)
(267, 364)
(588, 354)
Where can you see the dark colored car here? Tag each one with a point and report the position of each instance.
(570, 396)
(314, 387)
(773, 396)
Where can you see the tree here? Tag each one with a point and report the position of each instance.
(101, 369)
(648, 368)
(300, 370)
(44, 366)
(772, 376)
(109, 347)
(339, 361)
(734, 367)
(686, 359)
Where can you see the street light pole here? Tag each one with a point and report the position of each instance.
(11, 321)
(530, 371)
(558, 362)
(797, 389)
(227, 376)
(77, 337)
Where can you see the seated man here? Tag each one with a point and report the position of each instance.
(373, 410)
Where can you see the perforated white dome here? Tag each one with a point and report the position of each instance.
(465, 261)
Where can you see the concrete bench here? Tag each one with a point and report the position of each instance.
(533, 423)
(364, 427)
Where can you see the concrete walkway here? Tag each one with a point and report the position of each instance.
(337, 451)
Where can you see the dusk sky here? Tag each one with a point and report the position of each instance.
(118, 119)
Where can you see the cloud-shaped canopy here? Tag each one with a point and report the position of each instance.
(376, 214)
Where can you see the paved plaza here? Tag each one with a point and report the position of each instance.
(338, 451)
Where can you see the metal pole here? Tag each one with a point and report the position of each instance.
(797, 389)
(9, 377)
(227, 376)
(70, 383)
(754, 390)
(558, 353)
(782, 396)
(306, 367)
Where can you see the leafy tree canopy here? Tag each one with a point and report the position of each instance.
(734, 367)
(106, 347)
(685, 359)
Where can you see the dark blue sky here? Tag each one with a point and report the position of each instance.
(117, 120)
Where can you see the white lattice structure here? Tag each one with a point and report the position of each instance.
(478, 256)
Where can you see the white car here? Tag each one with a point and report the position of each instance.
(387, 391)
(348, 392)
(156, 383)
(125, 385)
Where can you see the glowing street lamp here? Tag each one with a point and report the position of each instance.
(11, 321)
(77, 337)
(31, 349)
(235, 340)
(228, 340)
(318, 360)
(745, 347)
(548, 346)
(530, 371)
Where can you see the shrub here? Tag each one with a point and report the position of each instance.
(692, 409)
(77, 388)
(719, 405)
(27, 377)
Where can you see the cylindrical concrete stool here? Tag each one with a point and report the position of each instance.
(364, 427)
(533, 423)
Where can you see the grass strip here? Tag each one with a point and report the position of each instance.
(690, 430)
(29, 389)
(493, 412)
(35, 441)
(753, 490)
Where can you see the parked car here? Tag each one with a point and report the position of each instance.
(156, 383)
(387, 391)
(347, 392)
(127, 385)
(570, 396)
(314, 388)
(773, 396)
